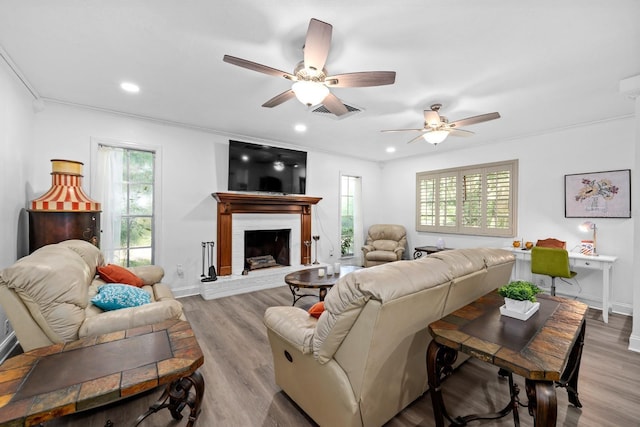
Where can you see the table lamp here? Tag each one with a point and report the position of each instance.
(586, 226)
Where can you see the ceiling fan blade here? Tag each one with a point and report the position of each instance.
(417, 138)
(279, 99)
(257, 67)
(402, 130)
(317, 44)
(460, 132)
(334, 105)
(362, 79)
(475, 119)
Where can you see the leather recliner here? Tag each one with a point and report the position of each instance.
(385, 243)
(47, 296)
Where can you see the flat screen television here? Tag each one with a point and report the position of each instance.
(264, 168)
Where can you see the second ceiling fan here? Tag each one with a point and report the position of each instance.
(437, 128)
(311, 80)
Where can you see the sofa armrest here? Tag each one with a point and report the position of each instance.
(399, 252)
(292, 324)
(132, 317)
(367, 248)
(150, 274)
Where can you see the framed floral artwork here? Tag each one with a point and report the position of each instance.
(598, 194)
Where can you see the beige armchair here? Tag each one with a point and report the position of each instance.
(385, 243)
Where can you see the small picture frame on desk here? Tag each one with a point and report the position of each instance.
(598, 194)
(586, 247)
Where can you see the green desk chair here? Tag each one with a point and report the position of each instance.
(551, 262)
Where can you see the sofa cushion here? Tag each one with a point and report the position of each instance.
(384, 245)
(53, 283)
(386, 256)
(112, 273)
(132, 317)
(114, 296)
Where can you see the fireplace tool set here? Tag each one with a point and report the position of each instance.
(207, 249)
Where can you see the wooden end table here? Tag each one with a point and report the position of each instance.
(309, 279)
(62, 379)
(545, 350)
(417, 252)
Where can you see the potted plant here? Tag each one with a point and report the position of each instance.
(519, 296)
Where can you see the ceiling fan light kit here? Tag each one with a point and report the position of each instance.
(310, 93)
(436, 137)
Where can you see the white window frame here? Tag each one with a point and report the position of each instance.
(432, 217)
(156, 251)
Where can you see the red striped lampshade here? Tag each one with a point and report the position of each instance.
(65, 194)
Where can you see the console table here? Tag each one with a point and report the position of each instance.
(61, 379)
(604, 263)
(546, 350)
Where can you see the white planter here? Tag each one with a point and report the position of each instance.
(518, 306)
(521, 310)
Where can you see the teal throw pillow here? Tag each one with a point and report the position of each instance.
(114, 296)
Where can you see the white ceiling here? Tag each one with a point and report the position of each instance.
(547, 65)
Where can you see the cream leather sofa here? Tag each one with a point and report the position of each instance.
(363, 360)
(385, 243)
(46, 296)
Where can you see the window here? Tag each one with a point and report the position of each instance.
(478, 200)
(126, 184)
(350, 215)
(136, 232)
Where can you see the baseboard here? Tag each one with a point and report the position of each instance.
(186, 291)
(634, 343)
(8, 346)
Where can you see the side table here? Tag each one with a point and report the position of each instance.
(62, 379)
(417, 253)
(546, 350)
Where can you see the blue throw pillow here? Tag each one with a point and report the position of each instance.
(114, 296)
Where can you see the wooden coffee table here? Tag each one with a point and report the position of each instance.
(545, 350)
(62, 379)
(309, 279)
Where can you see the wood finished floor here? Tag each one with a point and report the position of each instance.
(240, 389)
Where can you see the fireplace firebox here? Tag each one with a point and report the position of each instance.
(266, 248)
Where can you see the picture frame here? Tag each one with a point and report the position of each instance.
(604, 194)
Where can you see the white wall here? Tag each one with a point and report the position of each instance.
(543, 162)
(16, 148)
(194, 165)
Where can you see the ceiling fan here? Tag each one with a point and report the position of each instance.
(437, 128)
(311, 80)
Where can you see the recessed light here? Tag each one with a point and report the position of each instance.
(130, 87)
(391, 149)
(300, 127)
